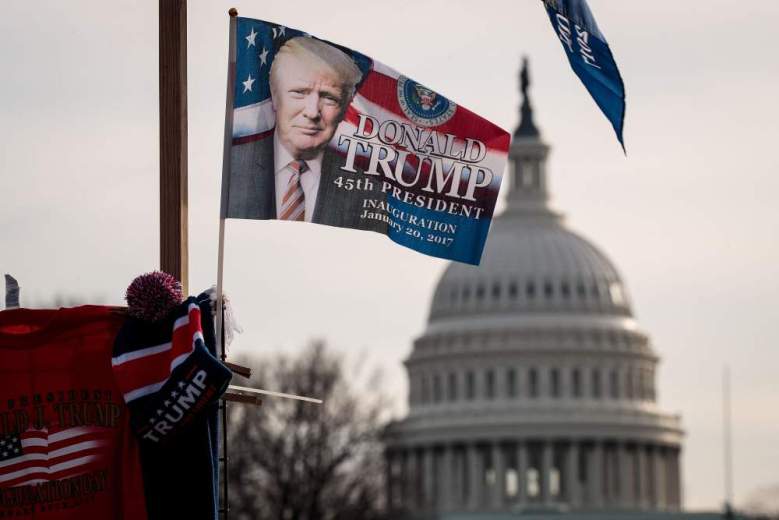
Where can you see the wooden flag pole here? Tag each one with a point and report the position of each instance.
(174, 247)
(227, 144)
(220, 332)
(259, 391)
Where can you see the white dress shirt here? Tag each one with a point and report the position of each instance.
(309, 180)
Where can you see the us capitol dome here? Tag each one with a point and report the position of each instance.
(532, 387)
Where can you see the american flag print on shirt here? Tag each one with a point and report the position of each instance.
(66, 449)
(36, 456)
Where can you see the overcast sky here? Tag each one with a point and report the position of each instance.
(689, 216)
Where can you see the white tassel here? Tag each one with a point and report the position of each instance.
(231, 325)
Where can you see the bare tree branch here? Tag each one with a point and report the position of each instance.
(291, 460)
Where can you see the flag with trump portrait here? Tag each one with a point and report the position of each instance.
(316, 132)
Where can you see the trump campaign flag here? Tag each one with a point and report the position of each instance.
(590, 57)
(317, 132)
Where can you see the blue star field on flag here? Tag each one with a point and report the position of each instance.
(257, 44)
(10, 447)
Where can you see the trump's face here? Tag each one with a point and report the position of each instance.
(309, 104)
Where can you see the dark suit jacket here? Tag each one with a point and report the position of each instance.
(252, 192)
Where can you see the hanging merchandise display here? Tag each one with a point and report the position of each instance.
(89, 400)
(66, 446)
(172, 382)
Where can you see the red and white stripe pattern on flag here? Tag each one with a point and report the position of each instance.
(378, 98)
(35, 456)
(144, 371)
(253, 120)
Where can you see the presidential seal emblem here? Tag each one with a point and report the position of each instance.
(423, 106)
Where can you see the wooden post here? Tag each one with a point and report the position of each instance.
(174, 248)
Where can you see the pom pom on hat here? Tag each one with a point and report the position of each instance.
(151, 296)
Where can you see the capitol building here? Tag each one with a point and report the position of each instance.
(533, 388)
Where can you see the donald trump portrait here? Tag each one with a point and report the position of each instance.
(287, 177)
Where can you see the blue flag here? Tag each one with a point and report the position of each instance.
(590, 57)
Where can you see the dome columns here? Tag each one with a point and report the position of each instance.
(534, 473)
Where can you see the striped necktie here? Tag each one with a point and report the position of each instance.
(293, 204)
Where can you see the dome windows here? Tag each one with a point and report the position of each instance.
(489, 384)
(646, 385)
(437, 391)
(452, 386)
(528, 175)
(470, 385)
(425, 393)
(511, 382)
(548, 292)
(565, 290)
(554, 382)
(614, 384)
(597, 390)
(576, 383)
(532, 379)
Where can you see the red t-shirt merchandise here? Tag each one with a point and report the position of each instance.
(66, 446)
